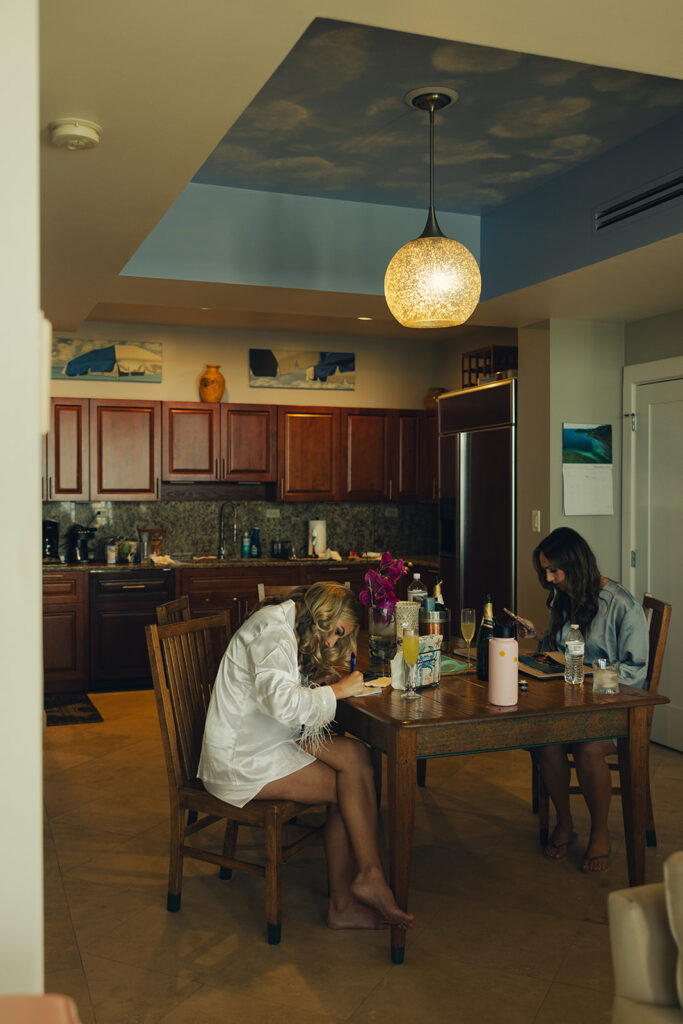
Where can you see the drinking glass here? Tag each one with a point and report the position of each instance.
(468, 622)
(411, 650)
(605, 676)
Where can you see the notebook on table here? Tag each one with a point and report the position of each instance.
(546, 666)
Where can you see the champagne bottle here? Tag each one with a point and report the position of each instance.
(483, 636)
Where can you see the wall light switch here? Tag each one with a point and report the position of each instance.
(535, 520)
(390, 512)
(272, 513)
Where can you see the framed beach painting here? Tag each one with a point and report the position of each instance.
(88, 359)
(305, 369)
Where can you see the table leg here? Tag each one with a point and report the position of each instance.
(633, 772)
(401, 797)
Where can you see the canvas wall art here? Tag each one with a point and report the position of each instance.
(86, 359)
(286, 368)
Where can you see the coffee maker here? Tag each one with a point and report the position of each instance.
(81, 541)
(50, 540)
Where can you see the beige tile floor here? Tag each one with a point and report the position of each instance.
(501, 933)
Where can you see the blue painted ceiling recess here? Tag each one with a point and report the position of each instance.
(331, 121)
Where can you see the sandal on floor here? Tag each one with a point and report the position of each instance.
(607, 857)
(559, 846)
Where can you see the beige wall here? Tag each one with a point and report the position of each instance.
(468, 338)
(21, 889)
(533, 454)
(586, 361)
(660, 337)
(390, 373)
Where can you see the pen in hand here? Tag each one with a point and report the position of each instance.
(353, 662)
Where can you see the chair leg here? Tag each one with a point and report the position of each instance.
(175, 867)
(534, 783)
(376, 761)
(421, 771)
(543, 810)
(650, 833)
(192, 817)
(229, 843)
(273, 838)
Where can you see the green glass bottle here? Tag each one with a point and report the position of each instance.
(483, 636)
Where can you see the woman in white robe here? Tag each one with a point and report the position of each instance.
(267, 737)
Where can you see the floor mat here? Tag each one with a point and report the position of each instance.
(70, 709)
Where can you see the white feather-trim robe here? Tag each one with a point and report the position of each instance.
(258, 709)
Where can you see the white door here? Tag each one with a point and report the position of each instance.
(657, 492)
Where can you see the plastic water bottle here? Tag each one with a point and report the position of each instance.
(573, 656)
(417, 591)
(246, 545)
(255, 547)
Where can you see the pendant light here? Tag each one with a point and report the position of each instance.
(432, 281)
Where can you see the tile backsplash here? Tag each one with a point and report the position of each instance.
(192, 526)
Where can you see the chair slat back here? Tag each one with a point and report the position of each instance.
(659, 615)
(184, 658)
(174, 611)
(265, 590)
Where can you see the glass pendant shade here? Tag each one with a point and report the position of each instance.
(432, 281)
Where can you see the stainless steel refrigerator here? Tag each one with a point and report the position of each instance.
(477, 497)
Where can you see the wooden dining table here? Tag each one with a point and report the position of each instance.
(456, 718)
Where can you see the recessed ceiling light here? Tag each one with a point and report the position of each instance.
(364, 318)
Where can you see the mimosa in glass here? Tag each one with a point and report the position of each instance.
(411, 650)
(468, 623)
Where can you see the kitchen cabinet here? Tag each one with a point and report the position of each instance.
(381, 454)
(66, 463)
(212, 441)
(232, 590)
(308, 453)
(428, 489)
(122, 603)
(65, 631)
(125, 450)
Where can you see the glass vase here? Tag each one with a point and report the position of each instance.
(381, 640)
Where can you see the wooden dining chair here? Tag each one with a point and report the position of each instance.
(174, 611)
(184, 659)
(658, 614)
(281, 591)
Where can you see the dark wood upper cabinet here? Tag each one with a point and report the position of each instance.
(249, 443)
(429, 462)
(191, 441)
(365, 454)
(125, 450)
(405, 472)
(308, 453)
(68, 469)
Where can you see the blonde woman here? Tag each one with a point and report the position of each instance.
(267, 737)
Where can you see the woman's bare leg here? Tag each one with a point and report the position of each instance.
(555, 772)
(596, 786)
(342, 778)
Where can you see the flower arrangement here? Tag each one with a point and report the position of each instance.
(380, 595)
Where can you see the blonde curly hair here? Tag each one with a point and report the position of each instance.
(320, 606)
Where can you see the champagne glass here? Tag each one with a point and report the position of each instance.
(467, 623)
(411, 650)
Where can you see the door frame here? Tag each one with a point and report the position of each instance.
(635, 375)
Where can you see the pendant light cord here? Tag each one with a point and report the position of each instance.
(432, 229)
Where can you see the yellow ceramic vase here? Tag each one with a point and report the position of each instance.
(211, 384)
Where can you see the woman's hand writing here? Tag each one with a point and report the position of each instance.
(526, 628)
(350, 686)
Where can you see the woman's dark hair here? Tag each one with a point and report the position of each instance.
(319, 608)
(566, 549)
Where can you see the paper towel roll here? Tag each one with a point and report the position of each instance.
(317, 536)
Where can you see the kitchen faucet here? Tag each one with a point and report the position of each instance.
(222, 547)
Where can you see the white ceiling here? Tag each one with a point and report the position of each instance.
(166, 79)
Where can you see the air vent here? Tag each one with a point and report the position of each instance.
(647, 199)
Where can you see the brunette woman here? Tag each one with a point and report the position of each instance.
(267, 737)
(614, 627)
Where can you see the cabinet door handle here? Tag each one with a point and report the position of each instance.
(282, 489)
(156, 487)
(434, 488)
(49, 488)
(217, 469)
(223, 469)
(391, 487)
(43, 488)
(133, 586)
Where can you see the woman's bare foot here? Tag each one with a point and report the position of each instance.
(354, 915)
(559, 842)
(596, 857)
(372, 889)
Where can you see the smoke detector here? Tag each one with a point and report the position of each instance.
(74, 133)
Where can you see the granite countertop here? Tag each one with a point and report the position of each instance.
(230, 563)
